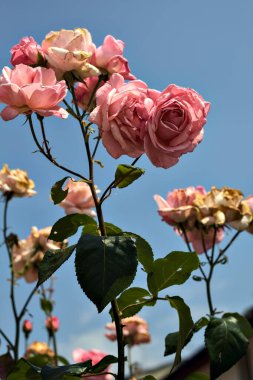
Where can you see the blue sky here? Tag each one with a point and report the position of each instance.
(193, 43)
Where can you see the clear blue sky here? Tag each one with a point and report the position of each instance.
(193, 43)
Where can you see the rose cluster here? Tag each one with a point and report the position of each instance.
(200, 216)
(28, 253)
(135, 331)
(132, 118)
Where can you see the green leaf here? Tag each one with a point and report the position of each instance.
(57, 194)
(49, 372)
(198, 376)
(148, 377)
(103, 364)
(68, 226)
(24, 370)
(144, 251)
(174, 269)
(105, 266)
(46, 305)
(186, 325)
(242, 323)
(202, 322)
(52, 260)
(91, 229)
(112, 230)
(226, 344)
(171, 341)
(126, 174)
(129, 297)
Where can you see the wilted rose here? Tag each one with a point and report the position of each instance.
(121, 114)
(26, 89)
(175, 125)
(70, 50)
(27, 51)
(16, 183)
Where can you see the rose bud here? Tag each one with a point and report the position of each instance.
(52, 324)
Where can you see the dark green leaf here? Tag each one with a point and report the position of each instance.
(103, 364)
(202, 322)
(171, 341)
(52, 260)
(126, 174)
(112, 230)
(24, 370)
(57, 194)
(49, 372)
(130, 297)
(242, 323)
(144, 251)
(105, 266)
(174, 269)
(91, 229)
(62, 360)
(46, 305)
(198, 376)
(226, 344)
(148, 377)
(68, 226)
(39, 360)
(186, 325)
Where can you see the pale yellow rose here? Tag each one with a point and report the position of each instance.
(38, 348)
(16, 182)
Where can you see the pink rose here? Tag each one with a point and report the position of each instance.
(178, 206)
(27, 51)
(79, 355)
(195, 238)
(26, 89)
(175, 125)
(70, 50)
(79, 199)
(121, 114)
(109, 57)
(135, 331)
(52, 324)
(27, 326)
(84, 91)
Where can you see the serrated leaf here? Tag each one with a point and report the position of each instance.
(127, 174)
(49, 372)
(57, 194)
(144, 251)
(242, 323)
(52, 261)
(46, 305)
(68, 226)
(198, 376)
(225, 343)
(186, 325)
(130, 297)
(174, 269)
(112, 230)
(24, 370)
(105, 266)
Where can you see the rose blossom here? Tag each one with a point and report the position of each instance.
(26, 89)
(195, 238)
(175, 125)
(79, 199)
(121, 114)
(249, 202)
(52, 324)
(109, 57)
(135, 331)
(16, 182)
(79, 355)
(38, 348)
(27, 51)
(178, 206)
(70, 50)
(84, 91)
(28, 253)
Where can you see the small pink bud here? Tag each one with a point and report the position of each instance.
(27, 327)
(52, 324)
